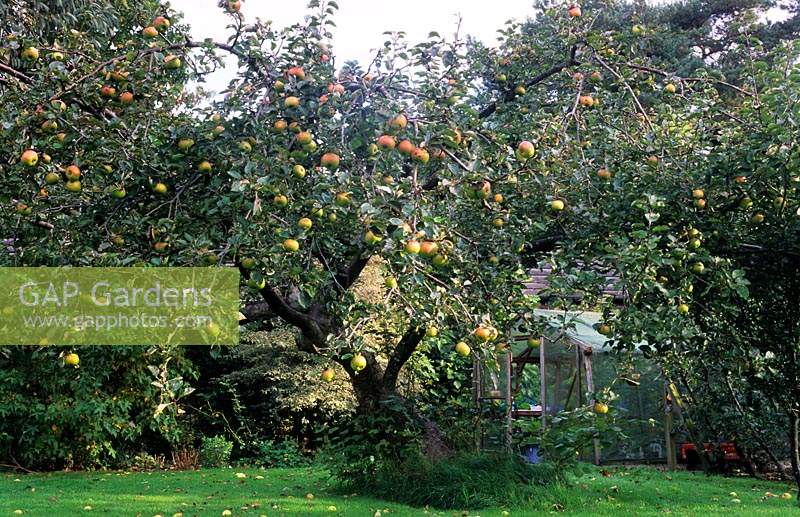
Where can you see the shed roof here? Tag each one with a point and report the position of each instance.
(577, 326)
(539, 283)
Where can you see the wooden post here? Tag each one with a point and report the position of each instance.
(557, 384)
(672, 458)
(543, 382)
(509, 355)
(578, 376)
(587, 364)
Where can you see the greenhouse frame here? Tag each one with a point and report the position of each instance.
(576, 361)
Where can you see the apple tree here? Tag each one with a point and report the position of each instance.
(451, 165)
(298, 176)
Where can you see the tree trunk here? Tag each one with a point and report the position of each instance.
(370, 387)
(794, 436)
(373, 386)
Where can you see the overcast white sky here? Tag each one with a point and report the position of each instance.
(361, 23)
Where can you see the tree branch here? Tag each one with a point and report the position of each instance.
(348, 276)
(307, 325)
(402, 353)
(257, 311)
(627, 86)
(509, 94)
(16, 73)
(278, 305)
(662, 73)
(146, 52)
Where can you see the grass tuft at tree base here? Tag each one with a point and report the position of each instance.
(463, 481)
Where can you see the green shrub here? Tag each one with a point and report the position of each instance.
(266, 389)
(215, 451)
(269, 453)
(146, 461)
(463, 481)
(115, 404)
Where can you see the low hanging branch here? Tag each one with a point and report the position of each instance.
(144, 53)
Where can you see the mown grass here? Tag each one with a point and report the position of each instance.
(282, 492)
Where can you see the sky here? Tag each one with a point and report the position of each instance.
(361, 23)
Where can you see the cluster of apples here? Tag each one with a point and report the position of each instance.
(304, 139)
(152, 31)
(115, 87)
(430, 249)
(109, 92)
(71, 173)
(388, 142)
(482, 334)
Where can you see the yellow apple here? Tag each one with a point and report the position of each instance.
(185, 143)
(160, 188)
(412, 246)
(30, 54)
(398, 122)
(172, 62)
(358, 362)
(291, 245)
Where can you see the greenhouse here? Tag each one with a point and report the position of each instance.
(509, 388)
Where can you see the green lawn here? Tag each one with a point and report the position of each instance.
(278, 492)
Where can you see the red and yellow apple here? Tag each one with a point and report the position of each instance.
(330, 161)
(526, 150)
(29, 158)
(387, 142)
